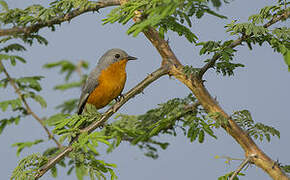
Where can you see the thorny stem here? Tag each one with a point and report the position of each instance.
(27, 107)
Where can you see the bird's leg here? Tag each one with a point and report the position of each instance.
(119, 98)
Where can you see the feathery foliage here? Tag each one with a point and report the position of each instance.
(257, 130)
(28, 167)
(143, 131)
(163, 15)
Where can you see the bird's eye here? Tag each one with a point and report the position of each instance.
(117, 56)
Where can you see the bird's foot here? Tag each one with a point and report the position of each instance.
(119, 98)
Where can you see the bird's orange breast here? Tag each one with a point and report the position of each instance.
(110, 84)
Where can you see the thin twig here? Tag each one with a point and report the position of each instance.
(230, 158)
(237, 42)
(58, 20)
(79, 68)
(242, 165)
(133, 92)
(27, 107)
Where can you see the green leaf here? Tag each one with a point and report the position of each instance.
(29, 82)
(256, 130)
(4, 5)
(215, 14)
(68, 106)
(14, 104)
(286, 168)
(53, 171)
(21, 145)
(209, 131)
(70, 85)
(81, 171)
(65, 65)
(56, 119)
(28, 167)
(287, 58)
(13, 47)
(4, 57)
(5, 122)
(201, 136)
(40, 100)
(93, 149)
(14, 58)
(194, 135)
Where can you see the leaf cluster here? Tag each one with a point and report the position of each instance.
(286, 168)
(268, 12)
(142, 130)
(66, 67)
(85, 163)
(28, 167)
(38, 14)
(223, 53)
(83, 158)
(162, 14)
(21, 145)
(39, 17)
(257, 130)
(278, 38)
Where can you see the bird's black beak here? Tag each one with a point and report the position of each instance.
(131, 58)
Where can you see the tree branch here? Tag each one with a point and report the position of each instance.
(238, 41)
(242, 165)
(195, 84)
(130, 94)
(27, 107)
(58, 20)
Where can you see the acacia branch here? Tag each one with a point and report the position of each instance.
(58, 20)
(97, 122)
(239, 41)
(195, 84)
(27, 107)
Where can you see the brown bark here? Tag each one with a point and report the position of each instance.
(195, 84)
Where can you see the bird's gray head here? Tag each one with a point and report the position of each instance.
(112, 56)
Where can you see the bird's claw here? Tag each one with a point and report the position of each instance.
(119, 98)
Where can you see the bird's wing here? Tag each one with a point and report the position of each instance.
(88, 88)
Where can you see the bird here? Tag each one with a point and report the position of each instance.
(106, 81)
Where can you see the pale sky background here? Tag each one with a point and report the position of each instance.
(261, 87)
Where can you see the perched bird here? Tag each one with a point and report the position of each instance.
(106, 81)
